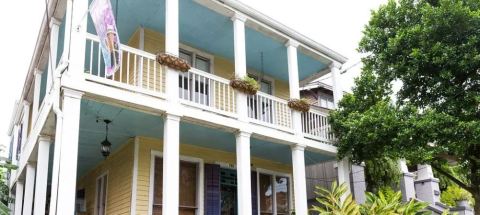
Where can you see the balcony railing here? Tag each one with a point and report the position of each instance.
(139, 70)
(315, 125)
(207, 91)
(271, 110)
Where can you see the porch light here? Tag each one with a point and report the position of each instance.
(105, 148)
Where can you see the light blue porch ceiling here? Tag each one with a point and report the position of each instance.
(212, 32)
(128, 123)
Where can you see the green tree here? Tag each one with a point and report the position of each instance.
(431, 47)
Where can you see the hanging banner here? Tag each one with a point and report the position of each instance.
(104, 21)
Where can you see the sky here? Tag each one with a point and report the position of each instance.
(338, 24)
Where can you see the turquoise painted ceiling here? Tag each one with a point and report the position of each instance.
(128, 123)
(208, 30)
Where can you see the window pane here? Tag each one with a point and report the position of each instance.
(281, 192)
(188, 184)
(186, 56)
(158, 186)
(202, 63)
(266, 197)
(266, 87)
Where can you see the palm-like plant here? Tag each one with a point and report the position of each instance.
(331, 201)
(390, 204)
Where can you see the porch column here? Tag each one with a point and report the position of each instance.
(337, 89)
(171, 164)
(66, 174)
(36, 94)
(75, 36)
(171, 47)
(42, 175)
(293, 83)
(240, 62)
(29, 189)
(18, 197)
(299, 180)
(54, 30)
(244, 190)
(343, 169)
(25, 121)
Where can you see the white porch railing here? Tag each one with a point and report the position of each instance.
(207, 91)
(315, 125)
(271, 110)
(138, 71)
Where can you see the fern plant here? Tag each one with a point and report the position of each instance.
(390, 203)
(331, 201)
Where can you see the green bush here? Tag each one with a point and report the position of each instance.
(455, 193)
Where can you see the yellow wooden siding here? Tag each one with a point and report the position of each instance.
(119, 167)
(147, 145)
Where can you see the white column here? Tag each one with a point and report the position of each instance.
(36, 94)
(25, 121)
(299, 179)
(293, 83)
(244, 184)
(343, 169)
(337, 88)
(240, 62)
(54, 30)
(18, 198)
(140, 60)
(67, 171)
(75, 35)
(29, 189)
(171, 47)
(171, 164)
(42, 175)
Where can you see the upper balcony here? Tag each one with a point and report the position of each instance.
(206, 36)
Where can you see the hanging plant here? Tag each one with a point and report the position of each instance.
(173, 62)
(246, 85)
(302, 105)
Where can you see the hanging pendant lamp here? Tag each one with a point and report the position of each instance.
(106, 145)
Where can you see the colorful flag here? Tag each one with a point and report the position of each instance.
(104, 21)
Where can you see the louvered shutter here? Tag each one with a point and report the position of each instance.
(212, 189)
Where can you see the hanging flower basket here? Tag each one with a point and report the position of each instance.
(173, 62)
(246, 85)
(301, 105)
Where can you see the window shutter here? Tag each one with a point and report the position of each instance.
(212, 189)
(254, 194)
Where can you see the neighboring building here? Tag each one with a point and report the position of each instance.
(181, 142)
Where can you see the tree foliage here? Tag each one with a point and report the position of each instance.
(431, 47)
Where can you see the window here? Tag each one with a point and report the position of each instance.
(193, 87)
(101, 195)
(188, 187)
(196, 60)
(274, 193)
(325, 100)
(261, 109)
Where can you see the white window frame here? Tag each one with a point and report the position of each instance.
(264, 77)
(200, 180)
(203, 54)
(96, 212)
(274, 174)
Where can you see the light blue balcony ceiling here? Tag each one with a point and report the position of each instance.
(128, 123)
(212, 32)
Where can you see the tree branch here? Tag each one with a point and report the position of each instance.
(451, 177)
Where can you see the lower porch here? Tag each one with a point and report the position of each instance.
(130, 180)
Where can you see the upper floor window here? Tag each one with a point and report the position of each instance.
(265, 84)
(325, 101)
(197, 61)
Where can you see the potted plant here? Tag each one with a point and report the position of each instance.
(246, 85)
(173, 62)
(302, 105)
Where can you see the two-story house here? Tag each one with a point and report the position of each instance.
(154, 140)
